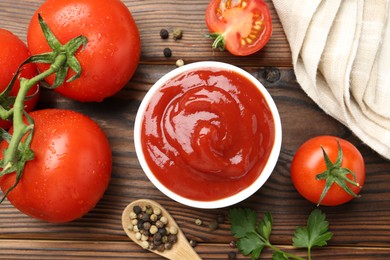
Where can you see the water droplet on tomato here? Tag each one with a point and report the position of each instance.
(52, 149)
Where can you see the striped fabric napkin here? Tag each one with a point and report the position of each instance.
(341, 57)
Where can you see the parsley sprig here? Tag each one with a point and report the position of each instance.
(253, 236)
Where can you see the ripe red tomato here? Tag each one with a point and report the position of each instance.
(309, 161)
(111, 55)
(243, 26)
(70, 171)
(12, 53)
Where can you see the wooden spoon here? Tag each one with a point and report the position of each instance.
(180, 250)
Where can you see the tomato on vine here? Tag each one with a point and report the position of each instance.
(242, 27)
(13, 52)
(328, 170)
(111, 55)
(55, 164)
(70, 171)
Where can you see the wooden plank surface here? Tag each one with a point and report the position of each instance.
(361, 228)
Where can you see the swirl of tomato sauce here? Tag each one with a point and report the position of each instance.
(207, 134)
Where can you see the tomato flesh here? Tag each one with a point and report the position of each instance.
(245, 25)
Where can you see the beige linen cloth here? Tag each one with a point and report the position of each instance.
(341, 57)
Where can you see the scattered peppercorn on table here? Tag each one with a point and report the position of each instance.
(361, 228)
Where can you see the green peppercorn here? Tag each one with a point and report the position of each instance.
(164, 239)
(213, 225)
(177, 33)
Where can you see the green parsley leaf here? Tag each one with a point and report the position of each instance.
(253, 237)
(279, 255)
(265, 226)
(251, 242)
(243, 221)
(256, 253)
(315, 234)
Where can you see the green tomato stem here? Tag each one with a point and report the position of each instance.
(60, 59)
(20, 128)
(274, 248)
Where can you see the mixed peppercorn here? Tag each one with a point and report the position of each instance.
(152, 228)
(177, 34)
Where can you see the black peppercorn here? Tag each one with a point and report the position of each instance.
(157, 236)
(157, 242)
(146, 217)
(220, 218)
(137, 209)
(232, 255)
(172, 238)
(213, 225)
(193, 243)
(167, 52)
(164, 34)
(152, 228)
(146, 226)
(161, 248)
(162, 231)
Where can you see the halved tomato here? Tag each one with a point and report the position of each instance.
(243, 27)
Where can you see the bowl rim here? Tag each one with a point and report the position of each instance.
(245, 193)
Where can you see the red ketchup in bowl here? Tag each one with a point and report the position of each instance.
(207, 133)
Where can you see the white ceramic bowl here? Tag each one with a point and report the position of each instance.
(240, 196)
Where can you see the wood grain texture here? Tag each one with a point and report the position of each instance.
(361, 228)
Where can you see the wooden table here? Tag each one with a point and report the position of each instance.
(361, 228)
